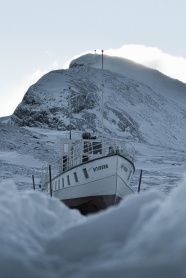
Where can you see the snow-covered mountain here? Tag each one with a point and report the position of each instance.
(140, 104)
(144, 236)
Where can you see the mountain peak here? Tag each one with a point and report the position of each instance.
(136, 101)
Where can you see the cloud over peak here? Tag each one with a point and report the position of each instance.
(151, 57)
(154, 58)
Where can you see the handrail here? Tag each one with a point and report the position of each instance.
(83, 150)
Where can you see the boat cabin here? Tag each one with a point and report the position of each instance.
(77, 151)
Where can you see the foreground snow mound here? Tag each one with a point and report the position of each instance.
(28, 221)
(142, 237)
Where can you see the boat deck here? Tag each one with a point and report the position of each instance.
(77, 151)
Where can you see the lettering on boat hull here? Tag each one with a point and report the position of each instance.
(101, 167)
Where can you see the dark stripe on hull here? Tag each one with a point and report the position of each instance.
(92, 204)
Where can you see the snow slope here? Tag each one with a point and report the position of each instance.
(168, 87)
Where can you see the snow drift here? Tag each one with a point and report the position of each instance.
(144, 236)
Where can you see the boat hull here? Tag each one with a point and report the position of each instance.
(95, 185)
(92, 204)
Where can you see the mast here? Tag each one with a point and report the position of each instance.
(70, 114)
(102, 86)
(102, 58)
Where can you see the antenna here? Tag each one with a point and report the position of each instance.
(70, 113)
(102, 58)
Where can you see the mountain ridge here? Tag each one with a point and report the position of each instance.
(135, 71)
(132, 109)
(143, 115)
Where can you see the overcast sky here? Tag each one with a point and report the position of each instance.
(39, 36)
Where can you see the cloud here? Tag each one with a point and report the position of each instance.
(11, 96)
(66, 65)
(151, 57)
(154, 58)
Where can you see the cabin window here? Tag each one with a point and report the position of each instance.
(52, 186)
(65, 148)
(92, 147)
(97, 147)
(129, 175)
(87, 147)
(85, 158)
(65, 163)
(85, 173)
(55, 185)
(58, 184)
(68, 180)
(75, 177)
(63, 182)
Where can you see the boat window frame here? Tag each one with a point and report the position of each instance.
(75, 177)
(99, 147)
(129, 175)
(85, 173)
(65, 147)
(68, 180)
(63, 183)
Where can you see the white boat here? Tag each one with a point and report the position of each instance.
(92, 173)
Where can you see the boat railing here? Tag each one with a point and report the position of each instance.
(105, 147)
(81, 151)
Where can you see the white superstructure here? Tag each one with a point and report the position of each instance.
(91, 171)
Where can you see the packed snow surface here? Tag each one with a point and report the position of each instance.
(144, 236)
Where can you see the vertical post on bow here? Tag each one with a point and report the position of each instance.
(139, 185)
(50, 179)
(33, 182)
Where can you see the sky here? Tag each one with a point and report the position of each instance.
(40, 36)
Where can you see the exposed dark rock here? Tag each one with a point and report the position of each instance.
(131, 108)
